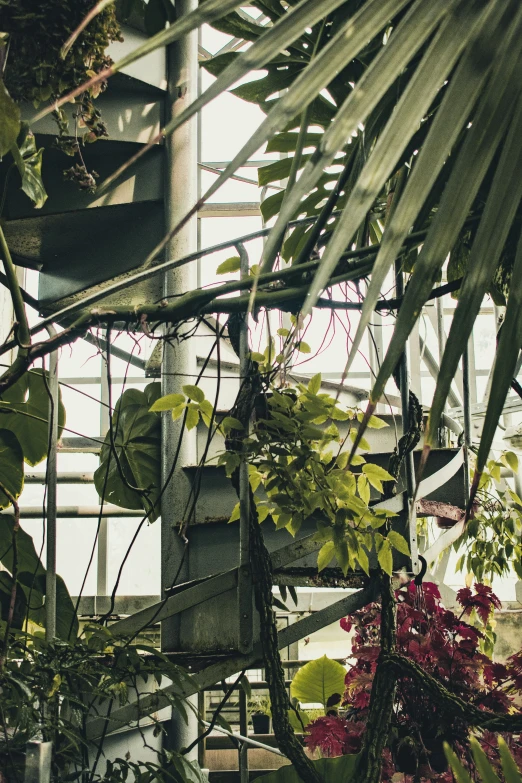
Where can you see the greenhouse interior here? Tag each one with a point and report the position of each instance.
(261, 391)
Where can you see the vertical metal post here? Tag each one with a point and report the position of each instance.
(38, 762)
(405, 406)
(202, 714)
(244, 584)
(50, 579)
(179, 362)
(102, 555)
(244, 773)
(467, 418)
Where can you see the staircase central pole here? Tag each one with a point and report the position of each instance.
(179, 361)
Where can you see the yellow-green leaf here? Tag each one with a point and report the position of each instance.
(168, 402)
(194, 392)
(192, 417)
(9, 120)
(230, 265)
(235, 513)
(326, 555)
(314, 384)
(398, 542)
(385, 557)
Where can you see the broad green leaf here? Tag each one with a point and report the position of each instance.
(230, 265)
(363, 488)
(417, 25)
(231, 423)
(11, 466)
(192, 417)
(28, 399)
(9, 120)
(501, 205)
(510, 456)
(183, 771)
(168, 402)
(385, 557)
(235, 513)
(375, 423)
(398, 542)
(375, 471)
(452, 116)
(314, 384)
(194, 392)
(334, 770)
(326, 555)
(137, 441)
(317, 681)
(32, 579)
(28, 160)
(364, 562)
(482, 139)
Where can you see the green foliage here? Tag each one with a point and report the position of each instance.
(492, 538)
(28, 160)
(129, 474)
(319, 682)
(24, 409)
(9, 120)
(330, 770)
(298, 458)
(485, 770)
(11, 467)
(52, 690)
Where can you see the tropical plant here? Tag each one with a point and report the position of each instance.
(49, 689)
(446, 646)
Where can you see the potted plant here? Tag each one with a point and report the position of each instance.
(260, 713)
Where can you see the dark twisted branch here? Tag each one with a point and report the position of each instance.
(446, 701)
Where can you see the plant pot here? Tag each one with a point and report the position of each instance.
(261, 723)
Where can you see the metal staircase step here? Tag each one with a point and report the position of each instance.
(233, 775)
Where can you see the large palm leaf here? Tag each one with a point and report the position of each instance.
(438, 78)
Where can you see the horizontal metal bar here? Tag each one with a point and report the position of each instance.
(80, 445)
(90, 380)
(79, 512)
(247, 740)
(230, 209)
(151, 702)
(91, 605)
(175, 604)
(513, 403)
(63, 478)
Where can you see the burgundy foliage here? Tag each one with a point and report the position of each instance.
(447, 646)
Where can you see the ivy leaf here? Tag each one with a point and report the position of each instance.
(376, 471)
(363, 488)
(314, 384)
(192, 417)
(398, 542)
(385, 557)
(137, 441)
(326, 555)
(168, 402)
(9, 120)
(231, 423)
(11, 467)
(194, 392)
(230, 265)
(510, 459)
(235, 514)
(28, 404)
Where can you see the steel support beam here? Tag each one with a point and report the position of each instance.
(227, 668)
(178, 446)
(50, 577)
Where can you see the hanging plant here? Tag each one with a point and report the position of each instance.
(37, 70)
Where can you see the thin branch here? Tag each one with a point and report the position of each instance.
(215, 716)
(14, 572)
